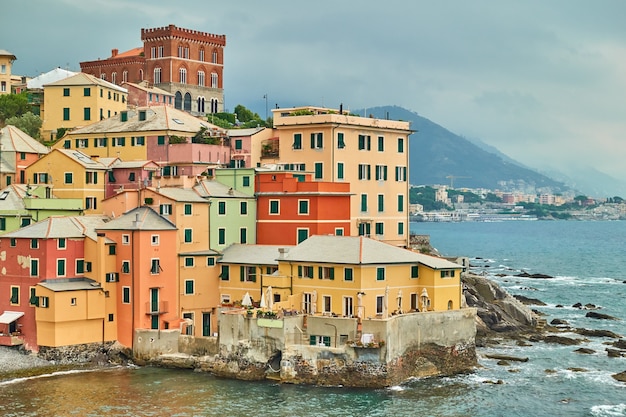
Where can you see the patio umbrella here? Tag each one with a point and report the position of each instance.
(269, 298)
(247, 301)
(263, 304)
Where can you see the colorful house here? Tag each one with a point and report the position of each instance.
(146, 279)
(370, 154)
(71, 174)
(143, 94)
(232, 215)
(78, 101)
(35, 88)
(129, 175)
(6, 63)
(362, 277)
(17, 151)
(248, 144)
(291, 207)
(51, 250)
(161, 134)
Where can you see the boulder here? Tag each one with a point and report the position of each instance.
(585, 351)
(600, 316)
(562, 340)
(620, 376)
(597, 333)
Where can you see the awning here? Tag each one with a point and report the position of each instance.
(10, 316)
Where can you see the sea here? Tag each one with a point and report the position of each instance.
(586, 261)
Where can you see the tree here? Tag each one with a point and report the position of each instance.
(12, 105)
(244, 115)
(27, 123)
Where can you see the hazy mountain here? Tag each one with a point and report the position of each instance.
(438, 156)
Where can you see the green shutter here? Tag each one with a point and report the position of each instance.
(319, 272)
(331, 273)
(299, 271)
(242, 271)
(312, 340)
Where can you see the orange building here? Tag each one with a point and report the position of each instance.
(147, 283)
(291, 207)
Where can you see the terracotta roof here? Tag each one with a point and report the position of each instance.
(130, 53)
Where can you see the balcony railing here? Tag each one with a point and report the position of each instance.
(161, 307)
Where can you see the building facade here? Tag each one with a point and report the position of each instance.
(187, 63)
(6, 63)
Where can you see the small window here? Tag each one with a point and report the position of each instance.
(125, 239)
(34, 243)
(414, 271)
(189, 262)
(225, 275)
(73, 301)
(221, 236)
(221, 208)
(61, 243)
(13, 242)
(348, 274)
(380, 274)
(246, 181)
(155, 267)
(66, 92)
(111, 249)
(303, 206)
(243, 208)
(155, 240)
(111, 317)
(80, 266)
(69, 178)
(274, 206)
(189, 284)
(187, 209)
(126, 295)
(15, 295)
(188, 236)
(44, 302)
(340, 141)
(126, 267)
(210, 261)
(60, 267)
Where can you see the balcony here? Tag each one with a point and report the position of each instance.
(153, 309)
(14, 339)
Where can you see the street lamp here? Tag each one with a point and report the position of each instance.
(265, 97)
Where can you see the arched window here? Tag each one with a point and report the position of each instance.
(201, 104)
(201, 78)
(103, 76)
(214, 57)
(178, 101)
(214, 104)
(114, 77)
(141, 75)
(187, 102)
(157, 75)
(124, 76)
(450, 304)
(213, 80)
(182, 75)
(201, 57)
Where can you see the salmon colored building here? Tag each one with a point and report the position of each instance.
(147, 265)
(291, 207)
(17, 151)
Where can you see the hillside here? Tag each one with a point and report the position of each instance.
(436, 154)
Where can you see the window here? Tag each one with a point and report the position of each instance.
(243, 208)
(111, 249)
(131, 176)
(225, 275)
(126, 295)
(303, 206)
(380, 228)
(189, 262)
(339, 170)
(400, 145)
(400, 174)
(138, 141)
(68, 178)
(44, 302)
(365, 142)
(381, 144)
(61, 243)
(221, 208)
(213, 80)
(187, 209)
(243, 235)
(363, 202)
(60, 267)
(80, 266)
(13, 242)
(155, 266)
(401, 228)
(381, 173)
(247, 273)
(112, 277)
(381, 203)
(340, 142)
(34, 243)
(414, 271)
(274, 206)
(189, 286)
(348, 274)
(15, 295)
(338, 231)
(33, 300)
(86, 113)
(157, 75)
(125, 239)
(188, 235)
(126, 267)
(182, 75)
(447, 273)
(88, 266)
(317, 140)
(66, 113)
(297, 141)
(305, 271)
(121, 141)
(161, 140)
(165, 209)
(326, 304)
(34, 267)
(91, 177)
(325, 272)
(380, 274)
(380, 299)
(111, 316)
(400, 203)
(302, 235)
(365, 172)
(66, 92)
(155, 240)
(210, 261)
(246, 181)
(319, 167)
(221, 236)
(90, 203)
(25, 221)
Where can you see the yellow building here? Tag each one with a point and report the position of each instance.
(6, 63)
(371, 154)
(78, 101)
(358, 276)
(70, 174)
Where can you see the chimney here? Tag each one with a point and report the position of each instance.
(282, 252)
(114, 52)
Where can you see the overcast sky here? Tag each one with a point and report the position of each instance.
(543, 81)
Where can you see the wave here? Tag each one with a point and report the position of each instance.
(608, 410)
(53, 374)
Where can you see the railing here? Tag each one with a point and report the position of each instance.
(11, 340)
(162, 307)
